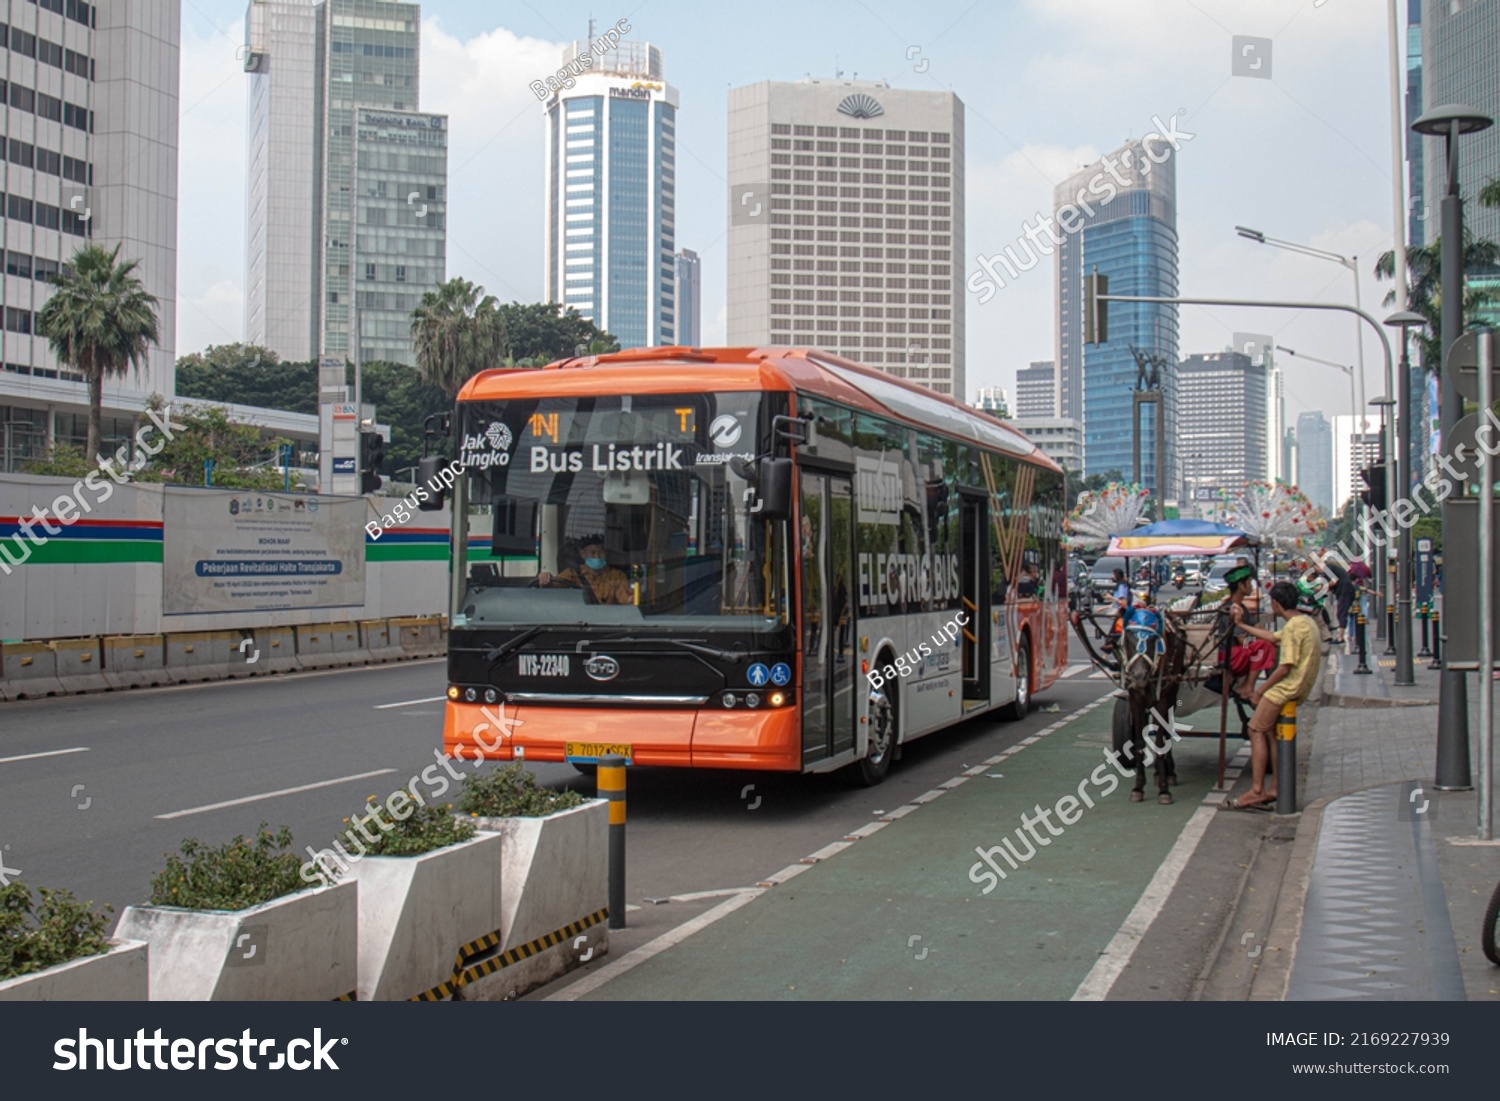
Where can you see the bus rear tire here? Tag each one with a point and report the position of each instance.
(885, 736)
(1020, 707)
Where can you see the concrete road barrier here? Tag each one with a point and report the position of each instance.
(315, 646)
(420, 637)
(78, 666)
(271, 650)
(348, 645)
(199, 655)
(375, 635)
(119, 975)
(135, 661)
(28, 671)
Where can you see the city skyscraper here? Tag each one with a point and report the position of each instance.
(846, 224)
(313, 65)
(1315, 459)
(1119, 215)
(91, 140)
(1221, 434)
(689, 299)
(1275, 422)
(611, 205)
(1418, 217)
(1460, 56)
(993, 400)
(1036, 390)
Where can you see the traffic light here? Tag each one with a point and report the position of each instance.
(371, 456)
(1374, 477)
(1095, 311)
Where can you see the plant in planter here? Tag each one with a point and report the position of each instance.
(61, 950)
(236, 922)
(555, 869)
(429, 884)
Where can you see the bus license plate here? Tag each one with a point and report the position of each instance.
(591, 751)
(542, 665)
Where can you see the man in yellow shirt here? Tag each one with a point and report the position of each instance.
(1292, 681)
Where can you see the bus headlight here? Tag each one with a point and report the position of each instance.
(453, 691)
(729, 699)
(490, 695)
(777, 699)
(470, 695)
(752, 699)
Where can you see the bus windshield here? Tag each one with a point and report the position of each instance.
(619, 511)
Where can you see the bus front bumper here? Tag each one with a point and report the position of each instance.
(684, 738)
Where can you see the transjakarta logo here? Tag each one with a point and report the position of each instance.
(898, 578)
(725, 430)
(488, 448)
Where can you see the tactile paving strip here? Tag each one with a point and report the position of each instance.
(1376, 926)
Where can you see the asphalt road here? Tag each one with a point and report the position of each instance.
(95, 790)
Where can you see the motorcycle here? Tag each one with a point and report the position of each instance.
(1179, 578)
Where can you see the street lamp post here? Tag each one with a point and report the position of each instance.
(1406, 321)
(1346, 368)
(1449, 122)
(1387, 405)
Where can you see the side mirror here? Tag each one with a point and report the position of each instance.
(428, 475)
(775, 489)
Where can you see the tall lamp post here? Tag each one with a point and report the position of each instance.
(1346, 368)
(1406, 468)
(1450, 122)
(1387, 406)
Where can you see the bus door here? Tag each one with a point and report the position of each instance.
(974, 596)
(829, 665)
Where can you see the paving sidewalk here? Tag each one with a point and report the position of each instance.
(1396, 884)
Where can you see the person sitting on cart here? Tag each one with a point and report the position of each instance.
(1245, 658)
(1122, 601)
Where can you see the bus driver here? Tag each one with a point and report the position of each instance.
(594, 575)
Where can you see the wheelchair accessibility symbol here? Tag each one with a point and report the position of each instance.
(781, 674)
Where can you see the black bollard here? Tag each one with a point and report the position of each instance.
(1426, 650)
(1359, 641)
(611, 786)
(1390, 629)
(1286, 759)
(1437, 640)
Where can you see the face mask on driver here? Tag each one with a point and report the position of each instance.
(594, 563)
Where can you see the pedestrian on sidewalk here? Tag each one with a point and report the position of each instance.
(1344, 592)
(1292, 682)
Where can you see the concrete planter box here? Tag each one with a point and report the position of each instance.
(556, 874)
(417, 912)
(119, 975)
(301, 947)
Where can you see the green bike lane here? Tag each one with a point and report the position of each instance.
(896, 916)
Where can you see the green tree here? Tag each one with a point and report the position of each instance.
(541, 332)
(403, 400)
(1424, 286)
(248, 374)
(457, 331)
(101, 322)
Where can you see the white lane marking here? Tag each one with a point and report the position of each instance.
(782, 876)
(866, 831)
(672, 937)
(409, 703)
(1101, 977)
(1074, 670)
(274, 794)
(833, 848)
(1098, 674)
(49, 753)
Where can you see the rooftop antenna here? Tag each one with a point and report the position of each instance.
(591, 32)
(838, 74)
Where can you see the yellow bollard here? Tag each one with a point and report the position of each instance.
(611, 786)
(1286, 759)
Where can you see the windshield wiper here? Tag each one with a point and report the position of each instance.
(499, 653)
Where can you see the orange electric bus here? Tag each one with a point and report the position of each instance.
(749, 558)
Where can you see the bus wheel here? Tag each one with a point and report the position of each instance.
(1020, 707)
(884, 736)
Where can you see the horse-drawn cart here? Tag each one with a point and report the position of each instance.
(1161, 658)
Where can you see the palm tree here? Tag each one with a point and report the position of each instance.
(456, 331)
(101, 322)
(1424, 294)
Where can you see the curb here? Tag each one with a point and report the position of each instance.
(1272, 980)
(1338, 699)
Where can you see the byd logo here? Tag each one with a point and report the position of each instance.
(602, 667)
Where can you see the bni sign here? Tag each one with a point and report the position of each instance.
(345, 466)
(344, 411)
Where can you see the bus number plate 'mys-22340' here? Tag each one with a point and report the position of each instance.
(542, 665)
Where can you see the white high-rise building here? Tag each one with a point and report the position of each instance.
(1356, 445)
(91, 139)
(1275, 421)
(611, 210)
(993, 399)
(336, 142)
(846, 224)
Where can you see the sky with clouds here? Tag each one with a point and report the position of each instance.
(1047, 85)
